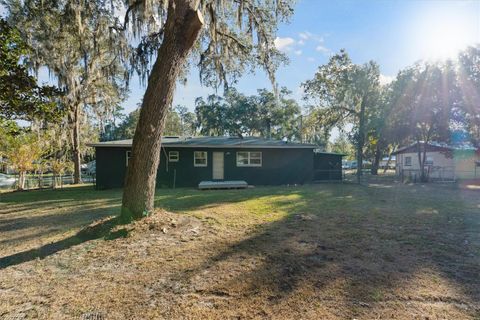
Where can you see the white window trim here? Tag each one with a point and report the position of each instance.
(408, 165)
(200, 165)
(170, 156)
(249, 164)
(128, 155)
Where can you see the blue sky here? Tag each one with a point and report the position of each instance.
(393, 33)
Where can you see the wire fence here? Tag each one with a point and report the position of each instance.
(43, 182)
(434, 175)
(437, 174)
(332, 175)
(350, 176)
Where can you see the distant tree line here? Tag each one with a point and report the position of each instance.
(236, 114)
(89, 51)
(233, 114)
(179, 122)
(425, 102)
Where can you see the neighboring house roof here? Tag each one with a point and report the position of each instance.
(435, 146)
(214, 142)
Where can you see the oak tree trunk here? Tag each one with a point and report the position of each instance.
(77, 162)
(376, 160)
(21, 180)
(269, 129)
(361, 141)
(389, 160)
(422, 155)
(75, 125)
(181, 31)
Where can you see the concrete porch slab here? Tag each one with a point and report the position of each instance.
(233, 184)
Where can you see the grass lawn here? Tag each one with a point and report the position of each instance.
(333, 251)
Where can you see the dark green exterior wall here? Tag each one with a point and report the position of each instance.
(279, 166)
(110, 167)
(327, 166)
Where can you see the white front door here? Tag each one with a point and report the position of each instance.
(217, 165)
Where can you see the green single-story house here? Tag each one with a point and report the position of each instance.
(185, 162)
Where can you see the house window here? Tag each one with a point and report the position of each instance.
(128, 156)
(200, 159)
(249, 159)
(173, 156)
(429, 161)
(408, 161)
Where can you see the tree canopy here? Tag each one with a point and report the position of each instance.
(72, 39)
(179, 122)
(469, 85)
(92, 49)
(20, 95)
(343, 93)
(263, 115)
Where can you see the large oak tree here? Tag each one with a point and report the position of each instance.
(424, 97)
(74, 41)
(469, 85)
(343, 92)
(264, 114)
(20, 95)
(223, 38)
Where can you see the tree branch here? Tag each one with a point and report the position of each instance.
(126, 20)
(235, 39)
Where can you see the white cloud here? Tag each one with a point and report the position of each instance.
(384, 80)
(304, 35)
(322, 49)
(310, 36)
(310, 59)
(298, 52)
(284, 44)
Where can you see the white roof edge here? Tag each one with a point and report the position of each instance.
(433, 144)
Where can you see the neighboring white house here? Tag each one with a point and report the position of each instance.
(385, 162)
(442, 162)
(5, 167)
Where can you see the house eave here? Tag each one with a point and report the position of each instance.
(101, 145)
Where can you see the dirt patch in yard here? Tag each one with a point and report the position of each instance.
(317, 252)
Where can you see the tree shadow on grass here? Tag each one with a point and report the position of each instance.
(37, 215)
(40, 216)
(353, 249)
(67, 209)
(80, 211)
(363, 254)
(191, 199)
(92, 232)
(70, 217)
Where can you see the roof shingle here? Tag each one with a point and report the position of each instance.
(214, 142)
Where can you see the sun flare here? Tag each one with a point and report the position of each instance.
(445, 41)
(442, 35)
